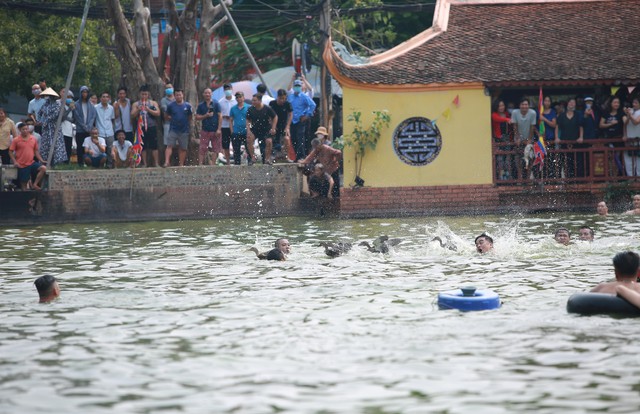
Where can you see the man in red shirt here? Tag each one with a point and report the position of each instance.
(22, 151)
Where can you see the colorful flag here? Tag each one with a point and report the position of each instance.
(539, 147)
(138, 144)
(456, 101)
(447, 114)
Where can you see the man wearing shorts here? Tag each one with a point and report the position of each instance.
(261, 126)
(144, 112)
(282, 107)
(95, 150)
(226, 103)
(22, 151)
(238, 125)
(179, 115)
(208, 112)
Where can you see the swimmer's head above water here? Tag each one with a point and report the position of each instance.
(484, 243)
(562, 236)
(48, 288)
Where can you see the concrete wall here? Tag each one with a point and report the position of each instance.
(156, 193)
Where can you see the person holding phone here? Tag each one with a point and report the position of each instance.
(209, 113)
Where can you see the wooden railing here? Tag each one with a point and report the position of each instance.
(593, 161)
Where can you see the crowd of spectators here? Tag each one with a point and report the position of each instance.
(568, 125)
(105, 133)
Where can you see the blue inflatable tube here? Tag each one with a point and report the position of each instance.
(601, 304)
(479, 300)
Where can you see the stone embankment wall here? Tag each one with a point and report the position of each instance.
(469, 199)
(155, 193)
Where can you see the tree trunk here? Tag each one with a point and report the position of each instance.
(143, 47)
(132, 74)
(208, 26)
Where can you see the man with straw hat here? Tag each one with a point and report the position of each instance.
(48, 116)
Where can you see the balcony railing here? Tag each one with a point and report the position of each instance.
(593, 161)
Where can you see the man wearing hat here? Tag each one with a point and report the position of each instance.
(84, 116)
(323, 135)
(34, 106)
(227, 102)
(303, 108)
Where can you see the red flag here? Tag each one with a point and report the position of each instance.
(456, 100)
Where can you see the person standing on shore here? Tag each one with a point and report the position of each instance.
(226, 103)
(209, 113)
(179, 114)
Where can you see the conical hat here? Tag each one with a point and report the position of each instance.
(49, 92)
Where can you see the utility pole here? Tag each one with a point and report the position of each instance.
(326, 108)
(244, 45)
(67, 84)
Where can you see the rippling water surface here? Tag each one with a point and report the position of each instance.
(179, 317)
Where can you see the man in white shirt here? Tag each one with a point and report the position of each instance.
(226, 103)
(94, 150)
(104, 122)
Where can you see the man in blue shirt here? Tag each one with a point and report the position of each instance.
(238, 126)
(179, 115)
(209, 113)
(303, 108)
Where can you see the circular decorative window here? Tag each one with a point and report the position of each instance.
(417, 141)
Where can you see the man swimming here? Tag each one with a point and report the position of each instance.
(484, 243)
(602, 208)
(636, 205)
(625, 266)
(586, 233)
(279, 252)
(48, 288)
(562, 236)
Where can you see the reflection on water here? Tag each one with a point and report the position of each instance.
(180, 317)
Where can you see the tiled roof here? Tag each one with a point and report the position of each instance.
(564, 41)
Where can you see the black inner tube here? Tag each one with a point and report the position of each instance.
(601, 304)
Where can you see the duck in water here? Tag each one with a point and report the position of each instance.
(381, 245)
(332, 249)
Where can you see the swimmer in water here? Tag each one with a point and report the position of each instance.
(48, 288)
(586, 233)
(281, 249)
(484, 243)
(625, 266)
(636, 205)
(562, 236)
(602, 209)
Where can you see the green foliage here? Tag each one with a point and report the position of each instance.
(363, 138)
(36, 45)
(338, 143)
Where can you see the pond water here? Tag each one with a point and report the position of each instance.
(180, 317)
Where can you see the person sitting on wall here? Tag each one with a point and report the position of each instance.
(625, 266)
(122, 150)
(586, 233)
(562, 236)
(48, 288)
(602, 209)
(320, 183)
(23, 152)
(636, 205)
(484, 243)
(95, 149)
(330, 158)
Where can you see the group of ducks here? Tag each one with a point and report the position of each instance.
(334, 249)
